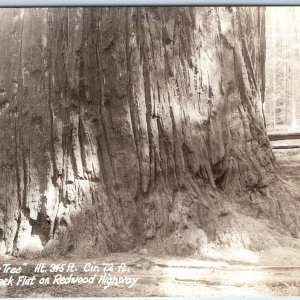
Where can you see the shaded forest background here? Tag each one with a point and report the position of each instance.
(282, 103)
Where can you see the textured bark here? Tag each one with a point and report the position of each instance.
(123, 126)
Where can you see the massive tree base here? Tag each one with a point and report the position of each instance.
(146, 131)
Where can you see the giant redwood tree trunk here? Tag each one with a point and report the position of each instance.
(126, 126)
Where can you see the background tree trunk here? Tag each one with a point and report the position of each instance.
(282, 70)
(124, 126)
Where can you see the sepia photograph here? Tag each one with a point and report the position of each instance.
(149, 151)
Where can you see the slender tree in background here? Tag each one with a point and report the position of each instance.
(282, 69)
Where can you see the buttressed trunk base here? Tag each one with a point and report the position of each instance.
(130, 126)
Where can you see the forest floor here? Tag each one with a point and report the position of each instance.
(231, 272)
(289, 160)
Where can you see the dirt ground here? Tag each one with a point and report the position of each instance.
(242, 273)
(228, 272)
